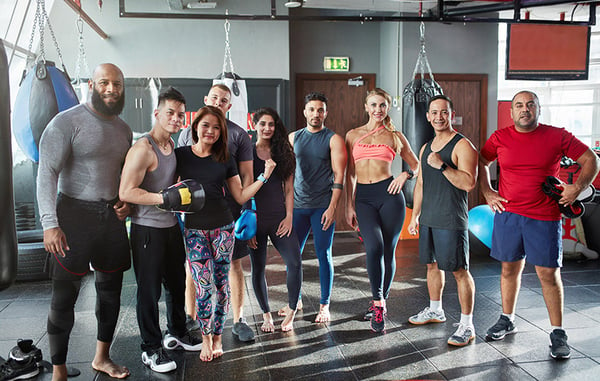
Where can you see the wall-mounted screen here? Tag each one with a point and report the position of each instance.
(547, 52)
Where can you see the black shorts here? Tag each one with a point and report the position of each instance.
(240, 248)
(94, 235)
(449, 248)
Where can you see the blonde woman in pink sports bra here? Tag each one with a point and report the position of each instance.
(375, 202)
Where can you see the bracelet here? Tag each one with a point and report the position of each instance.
(337, 186)
(443, 167)
(262, 178)
(410, 173)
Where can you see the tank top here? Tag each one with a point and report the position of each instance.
(444, 205)
(270, 199)
(314, 174)
(154, 181)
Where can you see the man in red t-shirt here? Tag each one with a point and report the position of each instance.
(527, 222)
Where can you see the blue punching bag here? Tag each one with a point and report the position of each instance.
(8, 236)
(44, 92)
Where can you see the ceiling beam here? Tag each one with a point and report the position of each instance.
(85, 17)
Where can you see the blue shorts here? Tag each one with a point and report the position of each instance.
(449, 248)
(516, 237)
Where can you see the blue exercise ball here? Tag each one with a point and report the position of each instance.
(44, 92)
(481, 224)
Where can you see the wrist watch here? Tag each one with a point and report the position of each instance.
(443, 167)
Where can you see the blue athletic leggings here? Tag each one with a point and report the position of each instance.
(290, 252)
(306, 219)
(380, 217)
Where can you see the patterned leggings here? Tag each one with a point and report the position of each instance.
(209, 257)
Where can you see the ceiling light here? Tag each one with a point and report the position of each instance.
(293, 4)
(202, 5)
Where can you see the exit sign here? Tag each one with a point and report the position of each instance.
(336, 64)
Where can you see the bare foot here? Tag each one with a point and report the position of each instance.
(323, 316)
(267, 325)
(217, 348)
(283, 311)
(288, 323)
(109, 367)
(206, 354)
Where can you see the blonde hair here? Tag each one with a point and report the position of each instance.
(387, 122)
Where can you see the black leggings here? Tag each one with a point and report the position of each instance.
(289, 249)
(61, 316)
(380, 217)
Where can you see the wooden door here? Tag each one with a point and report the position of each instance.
(345, 110)
(469, 96)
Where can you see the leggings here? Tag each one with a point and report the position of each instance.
(209, 258)
(61, 316)
(290, 252)
(380, 217)
(306, 219)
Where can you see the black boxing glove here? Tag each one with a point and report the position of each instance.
(553, 188)
(186, 196)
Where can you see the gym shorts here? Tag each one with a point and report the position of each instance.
(449, 248)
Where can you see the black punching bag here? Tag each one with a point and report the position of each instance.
(8, 238)
(415, 126)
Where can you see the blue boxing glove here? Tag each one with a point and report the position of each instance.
(245, 226)
(186, 196)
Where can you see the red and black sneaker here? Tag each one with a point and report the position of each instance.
(378, 319)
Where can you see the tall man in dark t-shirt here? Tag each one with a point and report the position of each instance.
(81, 154)
(448, 170)
(318, 185)
(240, 148)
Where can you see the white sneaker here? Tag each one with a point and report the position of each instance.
(159, 361)
(428, 316)
(463, 335)
(188, 342)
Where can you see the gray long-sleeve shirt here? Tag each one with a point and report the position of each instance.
(81, 155)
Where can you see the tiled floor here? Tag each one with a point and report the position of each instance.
(346, 349)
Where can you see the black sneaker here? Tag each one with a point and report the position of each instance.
(18, 370)
(369, 312)
(25, 349)
(188, 342)
(191, 324)
(159, 361)
(377, 319)
(242, 330)
(558, 344)
(502, 328)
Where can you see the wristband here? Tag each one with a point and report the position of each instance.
(337, 186)
(262, 178)
(443, 167)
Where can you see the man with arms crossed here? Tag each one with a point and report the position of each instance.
(527, 223)
(156, 240)
(318, 184)
(448, 172)
(81, 154)
(240, 147)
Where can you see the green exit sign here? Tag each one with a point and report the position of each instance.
(336, 64)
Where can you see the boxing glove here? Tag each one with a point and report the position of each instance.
(186, 196)
(553, 188)
(245, 226)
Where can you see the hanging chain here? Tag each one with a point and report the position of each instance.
(39, 21)
(422, 61)
(227, 56)
(81, 57)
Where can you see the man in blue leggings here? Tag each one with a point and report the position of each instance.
(318, 184)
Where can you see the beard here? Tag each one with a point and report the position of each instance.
(111, 110)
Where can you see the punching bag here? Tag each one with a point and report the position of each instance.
(415, 126)
(238, 113)
(44, 92)
(8, 236)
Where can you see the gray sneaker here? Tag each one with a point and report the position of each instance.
(427, 316)
(502, 328)
(559, 347)
(242, 330)
(463, 335)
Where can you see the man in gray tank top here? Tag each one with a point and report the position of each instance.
(156, 240)
(318, 184)
(81, 154)
(448, 171)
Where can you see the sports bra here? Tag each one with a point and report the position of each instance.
(372, 151)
